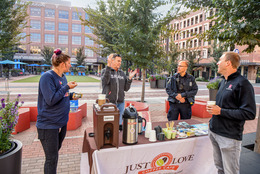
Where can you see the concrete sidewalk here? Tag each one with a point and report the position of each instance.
(70, 153)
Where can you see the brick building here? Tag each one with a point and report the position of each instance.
(197, 22)
(56, 24)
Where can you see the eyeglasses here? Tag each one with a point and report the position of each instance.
(181, 66)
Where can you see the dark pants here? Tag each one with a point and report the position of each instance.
(184, 109)
(51, 140)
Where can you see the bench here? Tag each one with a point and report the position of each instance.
(139, 106)
(23, 120)
(198, 109)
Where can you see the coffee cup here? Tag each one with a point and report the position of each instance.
(148, 129)
(211, 103)
(152, 136)
(101, 99)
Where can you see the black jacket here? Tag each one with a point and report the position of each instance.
(114, 83)
(237, 101)
(188, 90)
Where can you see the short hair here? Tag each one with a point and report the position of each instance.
(58, 57)
(114, 55)
(185, 62)
(233, 57)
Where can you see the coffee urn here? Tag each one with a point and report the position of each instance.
(130, 125)
(106, 125)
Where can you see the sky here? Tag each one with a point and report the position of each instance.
(82, 3)
(92, 3)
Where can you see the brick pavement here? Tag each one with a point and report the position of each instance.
(70, 153)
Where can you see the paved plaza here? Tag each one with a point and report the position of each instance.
(70, 153)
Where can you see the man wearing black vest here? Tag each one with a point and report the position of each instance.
(181, 89)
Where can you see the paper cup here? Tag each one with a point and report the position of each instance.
(211, 103)
(147, 130)
(152, 136)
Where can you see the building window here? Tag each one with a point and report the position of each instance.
(89, 53)
(184, 24)
(86, 16)
(74, 51)
(49, 25)
(35, 37)
(34, 11)
(64, 50)
(76, 40)
(75, 15)
(87, 29)
(196, 30)
(210, 25)
(199, 43)
(63, 27)
(196, 19)
(49, 13)
(49, 38)
(88, 41)
(188, 22)
(35, 50)
(188, 33)
(201, 18)
(76, 28)
(35, 24)
(23, 37)
(177, 26)
(191, 32)
(21, 49)
(191, 22)
(195, 43)
(63, 14)
(63, 39)
(183, 45)
(200, 30)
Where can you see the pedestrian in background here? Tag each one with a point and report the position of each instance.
(53, 109)
(235, 103)
(181, 89)
(115, 83)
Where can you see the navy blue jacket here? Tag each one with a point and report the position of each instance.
(189, 90)
(53, 101)
(237, 101)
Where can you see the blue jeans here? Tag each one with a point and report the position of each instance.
(51, 140)
(226, 153)
(121, 107)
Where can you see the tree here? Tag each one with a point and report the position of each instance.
(129, 27)
(80, 56)
(47, 53)
(218, 50)
(235, 22)
(13, 19)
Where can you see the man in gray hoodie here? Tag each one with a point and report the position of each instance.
(115, 82)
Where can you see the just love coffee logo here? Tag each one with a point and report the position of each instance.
(162, 162)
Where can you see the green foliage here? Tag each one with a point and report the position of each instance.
(80, 56)
(47, 53)
(218, 50)
(200, 79)
(8, 119)
(213, 84)
(13, 19)
(236, 21)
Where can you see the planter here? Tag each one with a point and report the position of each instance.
(212, 94)
(161, 83)
(11, 162)
(153, 84)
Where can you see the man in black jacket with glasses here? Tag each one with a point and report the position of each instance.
(181, 89)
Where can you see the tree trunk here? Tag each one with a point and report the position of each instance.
(257, 139)
(143, 86)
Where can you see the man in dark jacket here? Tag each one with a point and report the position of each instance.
(115, 82)
(181, 89)
(235, 103)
